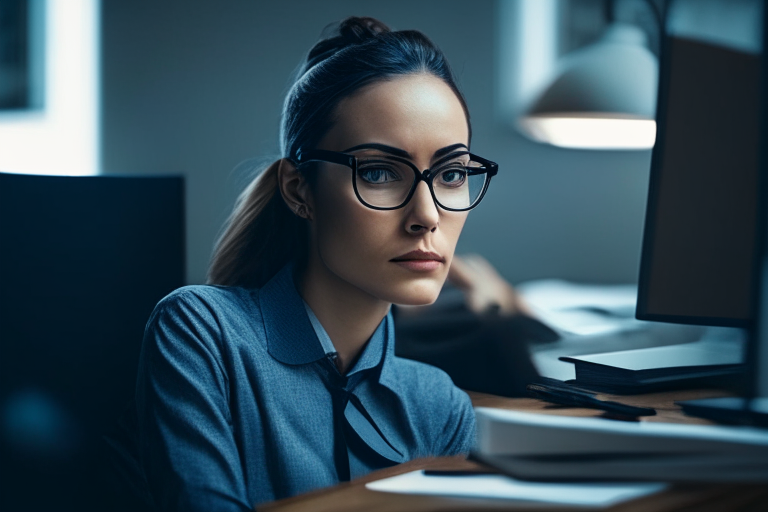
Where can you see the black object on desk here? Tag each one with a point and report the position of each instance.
(458, 472)
(696, 364)
(729, 410)
(559, 392)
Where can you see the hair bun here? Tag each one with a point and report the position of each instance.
(357, 29)
(349, 31)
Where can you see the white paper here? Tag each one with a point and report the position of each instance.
(503, 487)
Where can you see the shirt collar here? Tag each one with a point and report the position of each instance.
(322, 335)
(372, 351)
(293, 337)
(290, 337)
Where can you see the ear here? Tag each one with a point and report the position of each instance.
(294, 189)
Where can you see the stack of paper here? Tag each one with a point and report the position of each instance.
(548, 447)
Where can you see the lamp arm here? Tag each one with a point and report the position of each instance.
(658, 13)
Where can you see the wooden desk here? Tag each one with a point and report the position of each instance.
(353, 496)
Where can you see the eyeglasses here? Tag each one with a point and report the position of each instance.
(457, 181)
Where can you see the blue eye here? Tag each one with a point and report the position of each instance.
(378, 175)
(453, 177)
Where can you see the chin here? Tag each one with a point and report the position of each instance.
(420, 293)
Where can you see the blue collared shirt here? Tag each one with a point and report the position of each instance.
(238, 403)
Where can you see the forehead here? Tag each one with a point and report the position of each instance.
(418, 113)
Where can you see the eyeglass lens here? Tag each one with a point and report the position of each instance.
(386, 183)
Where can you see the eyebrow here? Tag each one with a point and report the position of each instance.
(402, 153)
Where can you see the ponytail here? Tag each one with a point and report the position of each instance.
(260, 236)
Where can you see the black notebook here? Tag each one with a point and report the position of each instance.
(708, 363)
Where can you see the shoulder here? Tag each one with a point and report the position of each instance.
(417, 376)
(207, 303)
(424, 386)
(435, 406)
(212, 319)
(202, 295)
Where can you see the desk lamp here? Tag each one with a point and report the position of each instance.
(604, 96)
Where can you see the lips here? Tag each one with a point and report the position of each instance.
(419, 255)
(419, 261)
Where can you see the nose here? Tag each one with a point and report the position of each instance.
(423, 215)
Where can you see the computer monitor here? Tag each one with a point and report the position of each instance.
(703, 247)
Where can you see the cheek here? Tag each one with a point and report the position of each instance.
(349, 235)
(348, 232)
(452, 224)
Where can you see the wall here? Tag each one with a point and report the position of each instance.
(196, 87)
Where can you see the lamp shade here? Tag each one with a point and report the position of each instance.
(604, 96)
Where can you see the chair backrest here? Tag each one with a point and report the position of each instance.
(83, 261)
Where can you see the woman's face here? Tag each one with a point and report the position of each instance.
(368, 249)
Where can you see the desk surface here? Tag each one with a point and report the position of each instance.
(353, 496)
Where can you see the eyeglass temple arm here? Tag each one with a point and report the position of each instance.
(491, 167)
(326, 156)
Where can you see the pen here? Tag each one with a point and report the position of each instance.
(457, 472)
(563, 394)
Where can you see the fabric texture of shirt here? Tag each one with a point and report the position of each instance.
(237, 402)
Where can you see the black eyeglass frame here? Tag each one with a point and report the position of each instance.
(336, 157)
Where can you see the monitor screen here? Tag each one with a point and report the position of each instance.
(699, 250)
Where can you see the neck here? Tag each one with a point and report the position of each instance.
(348, 314)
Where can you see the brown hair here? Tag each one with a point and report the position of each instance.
(261, 235)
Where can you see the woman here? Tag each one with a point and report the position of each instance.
(279, 376)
